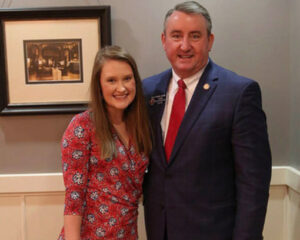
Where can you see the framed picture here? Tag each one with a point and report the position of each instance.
(47, 55)
(53, 61)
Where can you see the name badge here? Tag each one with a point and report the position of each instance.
(159, 99)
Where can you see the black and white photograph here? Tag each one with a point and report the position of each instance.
(53, 61)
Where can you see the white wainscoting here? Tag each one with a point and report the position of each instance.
(31, 206)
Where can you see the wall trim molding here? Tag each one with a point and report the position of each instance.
(31, 183)
(285, 175)
(53, 182)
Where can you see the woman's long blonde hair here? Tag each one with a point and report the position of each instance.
(136, 117)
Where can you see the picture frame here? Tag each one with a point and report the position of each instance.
(47, 55)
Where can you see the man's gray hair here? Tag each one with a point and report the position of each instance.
(191, 7)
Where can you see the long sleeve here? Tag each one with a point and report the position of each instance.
(75, 157)
(252, 159)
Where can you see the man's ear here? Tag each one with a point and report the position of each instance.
(211, 39)
(163, 39)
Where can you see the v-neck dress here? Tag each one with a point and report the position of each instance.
(105, 192)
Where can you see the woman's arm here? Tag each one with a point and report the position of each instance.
(72, 224)
(75, 157)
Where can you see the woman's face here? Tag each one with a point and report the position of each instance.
(118, 86)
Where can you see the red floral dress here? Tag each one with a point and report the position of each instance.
(104, 192)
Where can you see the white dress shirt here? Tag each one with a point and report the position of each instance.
(191, 83)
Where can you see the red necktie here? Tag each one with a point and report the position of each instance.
(177, 113)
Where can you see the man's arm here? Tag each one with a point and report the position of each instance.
(252, 164)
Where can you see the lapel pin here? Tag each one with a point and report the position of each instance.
(206, 86)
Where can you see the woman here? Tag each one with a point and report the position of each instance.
(104, 153)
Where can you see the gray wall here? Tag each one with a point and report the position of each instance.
(256, 38)
(295, 82)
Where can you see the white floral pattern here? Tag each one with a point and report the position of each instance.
(104, 192)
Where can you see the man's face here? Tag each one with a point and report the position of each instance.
(186, 43)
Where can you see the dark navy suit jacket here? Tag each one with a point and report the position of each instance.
(216, 184)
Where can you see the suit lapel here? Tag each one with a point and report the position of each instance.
(157, 109)
(198, 102)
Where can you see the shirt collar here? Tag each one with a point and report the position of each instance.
(191, 81)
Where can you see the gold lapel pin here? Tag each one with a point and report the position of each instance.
(206, 86)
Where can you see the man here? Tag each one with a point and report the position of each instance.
(210, 169)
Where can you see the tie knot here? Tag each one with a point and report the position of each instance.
(181, 84)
